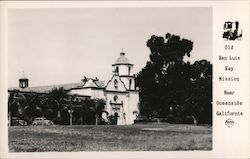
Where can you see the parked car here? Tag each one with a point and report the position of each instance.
(42, 121)
(15, 121)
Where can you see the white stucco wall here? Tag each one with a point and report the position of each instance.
(97, 93)
(126, 82)
(94, 93)
(120, 84)
(83, 91)
(130, 105)
(122, 97)
(124, 69)
(133, 106)
(110, 98)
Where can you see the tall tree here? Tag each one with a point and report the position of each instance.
(31, 106)
(162, 73)
(97, 108)
(200, 92)
(91, 110)
(58, 97)
(167, 82)
(13, 104)
(26, 106)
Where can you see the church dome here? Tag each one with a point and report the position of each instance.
(122, 60)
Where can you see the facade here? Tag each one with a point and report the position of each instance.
(120, 92)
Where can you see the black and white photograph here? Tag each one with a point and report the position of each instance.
(110, 79)
(124, 79)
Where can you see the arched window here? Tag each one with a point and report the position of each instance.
(117, 70)
(115, 98)
(115, 83)
(130, 83)
(129, 69)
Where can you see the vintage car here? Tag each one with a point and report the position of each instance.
(42, 121)
(15, 121)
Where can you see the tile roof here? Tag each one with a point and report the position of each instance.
(46, 89)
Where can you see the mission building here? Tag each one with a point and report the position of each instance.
(120, 92)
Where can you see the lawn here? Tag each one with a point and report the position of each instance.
(156, 137)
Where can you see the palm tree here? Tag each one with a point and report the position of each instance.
(97, 108)
(45, 109)
(83, 107)
(58, 97)
(12, 106)
(91, 110)
(32, 106)
(25, 106)
(71, 105)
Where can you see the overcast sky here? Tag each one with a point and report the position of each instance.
(56, 46)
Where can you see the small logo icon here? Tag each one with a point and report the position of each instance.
(232, 31)
(229, 123)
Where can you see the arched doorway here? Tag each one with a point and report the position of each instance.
(113, 119)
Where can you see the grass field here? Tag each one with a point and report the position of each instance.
(157, 137)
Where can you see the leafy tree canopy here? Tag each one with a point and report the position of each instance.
(170, 85)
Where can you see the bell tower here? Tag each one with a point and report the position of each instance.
(23, 82)
(123, 68)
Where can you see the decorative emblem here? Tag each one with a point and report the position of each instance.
(232, 31)
(229, 123)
